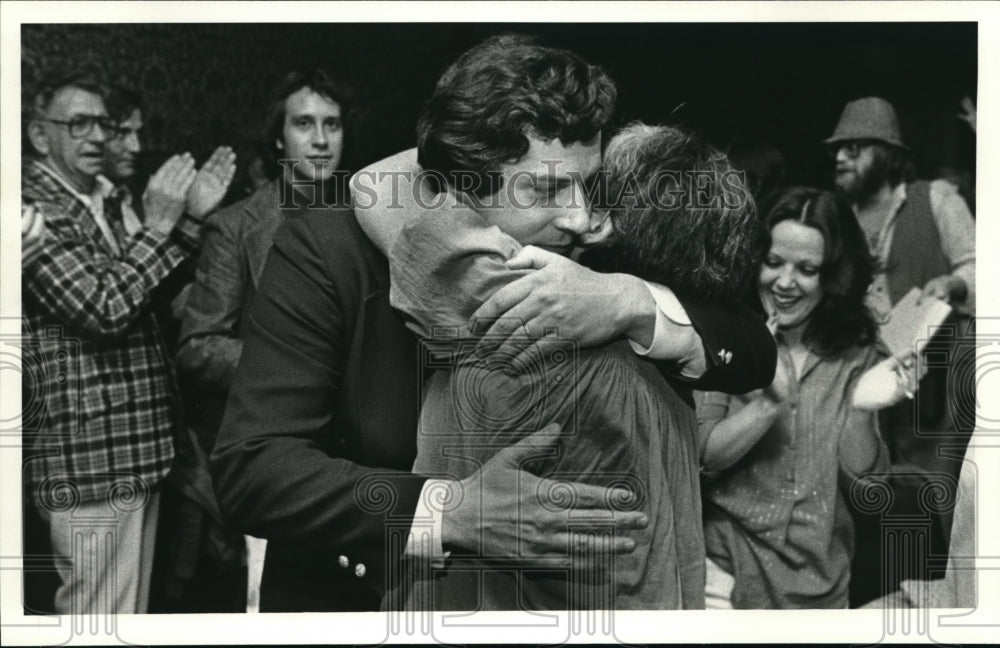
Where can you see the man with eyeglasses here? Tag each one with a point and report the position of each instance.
(923, 235)
(104, 385)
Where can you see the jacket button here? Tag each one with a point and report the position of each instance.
(359, 570)
(344, 562)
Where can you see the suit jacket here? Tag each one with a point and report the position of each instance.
(316, 457)
(235, 244)
(234, 248)
(102, 403)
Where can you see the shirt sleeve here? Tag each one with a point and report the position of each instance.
(740, 352)
(711, 408)
(854, 421)
(98, 294)
(444, 265)
(424, 541)
(957, 229)
(210, 347)
(669, 314)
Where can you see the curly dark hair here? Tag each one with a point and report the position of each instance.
(122, 101)
(681, 214)
(842, 319)
(319, 81)
(496, 94)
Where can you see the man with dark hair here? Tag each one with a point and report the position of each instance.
(122, 150)
(305, 124)
(104, 442)
(452, 261)
(923, 236)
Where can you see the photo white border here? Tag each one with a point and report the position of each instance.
(858, 626)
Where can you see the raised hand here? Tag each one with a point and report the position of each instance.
(889, 382)
(163, 200)
(505, 511)
(211, 182)
(948, 288)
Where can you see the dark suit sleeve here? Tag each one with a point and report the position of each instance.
(276, 470)
(210, 346)
(740, 352)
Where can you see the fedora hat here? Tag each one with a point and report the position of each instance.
(870, 118)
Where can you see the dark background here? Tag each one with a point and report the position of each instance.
(204, 84)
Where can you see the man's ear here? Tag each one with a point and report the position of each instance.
(39, 140)
(278, 143)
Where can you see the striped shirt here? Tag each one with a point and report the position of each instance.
(100, 400)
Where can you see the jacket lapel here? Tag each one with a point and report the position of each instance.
(264, 219)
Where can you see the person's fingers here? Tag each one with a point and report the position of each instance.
(529, 355)
(582, 497)
(218, 157)
(185, 180)
(228, 168)
(906, 358)
(934, 289)
(500, 303)
(596, 545)
(586, 548)
(166, 170)
(219, 163)
(181, 175)
(532, 258)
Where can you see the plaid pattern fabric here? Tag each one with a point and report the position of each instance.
(100, 399)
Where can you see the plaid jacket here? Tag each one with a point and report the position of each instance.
(100, 399)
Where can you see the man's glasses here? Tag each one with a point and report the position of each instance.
(83, 126)
(851, 148)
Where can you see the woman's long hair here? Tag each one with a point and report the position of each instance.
(842, 319)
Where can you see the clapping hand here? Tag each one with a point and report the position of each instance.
(163, 200)
(211, 182)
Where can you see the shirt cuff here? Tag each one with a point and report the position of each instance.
(188, 231)
(424, 541)
(668, 307)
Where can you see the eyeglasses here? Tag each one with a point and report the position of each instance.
(851, 148)
(83, 126)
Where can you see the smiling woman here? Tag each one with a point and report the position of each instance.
(778, 533)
